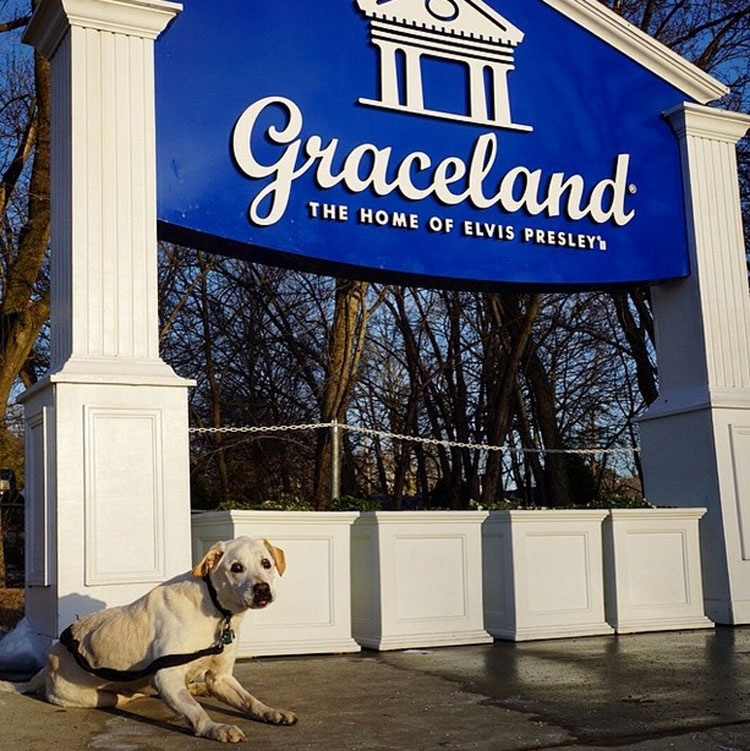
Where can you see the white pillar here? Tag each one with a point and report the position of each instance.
(107, 484)
(501, 93)
(477, 90)
(388, 73)
(414, 92)
(696, 436)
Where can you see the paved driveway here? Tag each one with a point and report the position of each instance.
(688, 690)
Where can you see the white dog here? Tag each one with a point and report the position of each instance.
(179, 633)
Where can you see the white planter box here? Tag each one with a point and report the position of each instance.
(653, 570)
(312, 614)
(417, 579)
(543, 575)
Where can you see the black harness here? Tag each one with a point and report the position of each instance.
(167, 661)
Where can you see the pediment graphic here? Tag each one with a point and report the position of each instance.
(471, 19)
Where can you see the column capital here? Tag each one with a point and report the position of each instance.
(139, 18)
(696, 120)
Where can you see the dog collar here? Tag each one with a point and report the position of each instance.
(227, 634)
(226, 614)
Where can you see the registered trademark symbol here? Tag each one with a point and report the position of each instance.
(632, 189)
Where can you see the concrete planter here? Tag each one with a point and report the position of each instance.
(543, 574)
(313, 613)
(417, 579)
(653, 570)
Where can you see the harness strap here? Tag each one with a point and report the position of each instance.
(160, 663)
(110, 674)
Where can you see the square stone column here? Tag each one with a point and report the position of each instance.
(696, 436)
(107, 469)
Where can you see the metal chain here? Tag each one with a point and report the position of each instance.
(410, 438)
(480, 446)
(264, 428)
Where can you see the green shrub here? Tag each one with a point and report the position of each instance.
(283, 503)
(351, 503)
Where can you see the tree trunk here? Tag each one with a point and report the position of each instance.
(214, 389)
(403, 455)
(22, 311)
(557, 484)
(531, 459)
(345, 343)
(514, 325)
(637, 335)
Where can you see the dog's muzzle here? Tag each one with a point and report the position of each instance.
(261, 595)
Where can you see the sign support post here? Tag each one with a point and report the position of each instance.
(107, 492)
(335, 461)
(696, 436)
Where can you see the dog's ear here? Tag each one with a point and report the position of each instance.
(278, 557)
(209, 560)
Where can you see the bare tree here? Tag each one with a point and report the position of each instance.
(715, 36)
(24, 213)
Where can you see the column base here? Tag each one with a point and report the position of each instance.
(107, 494)
(698, 454)
(729, 612)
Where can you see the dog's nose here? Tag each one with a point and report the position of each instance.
(261, 589)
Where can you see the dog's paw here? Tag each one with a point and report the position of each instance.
(279, 717)
(225, 734)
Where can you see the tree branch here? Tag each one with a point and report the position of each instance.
(16, 23)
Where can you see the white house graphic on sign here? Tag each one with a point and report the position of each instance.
(469, 32)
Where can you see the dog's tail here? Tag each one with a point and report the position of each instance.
(30, 687)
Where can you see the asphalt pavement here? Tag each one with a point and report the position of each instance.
(682, 690)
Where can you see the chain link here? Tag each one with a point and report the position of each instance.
(409, 438)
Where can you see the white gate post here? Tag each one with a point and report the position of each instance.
(696, 436)
(107, 490)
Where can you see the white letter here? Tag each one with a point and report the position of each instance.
(377, 175)
(314, 149)
(285, 174)
(618, 186)
(449, 171)
(403, 179)
(529, 197)
(557, 186)
(482, 161)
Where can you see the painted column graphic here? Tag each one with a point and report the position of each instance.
(466, 32)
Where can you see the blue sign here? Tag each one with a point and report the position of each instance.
(432, 142)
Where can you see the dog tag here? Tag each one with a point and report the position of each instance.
(227, 637)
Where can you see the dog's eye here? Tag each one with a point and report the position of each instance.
(265, 563)
(237, 568)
